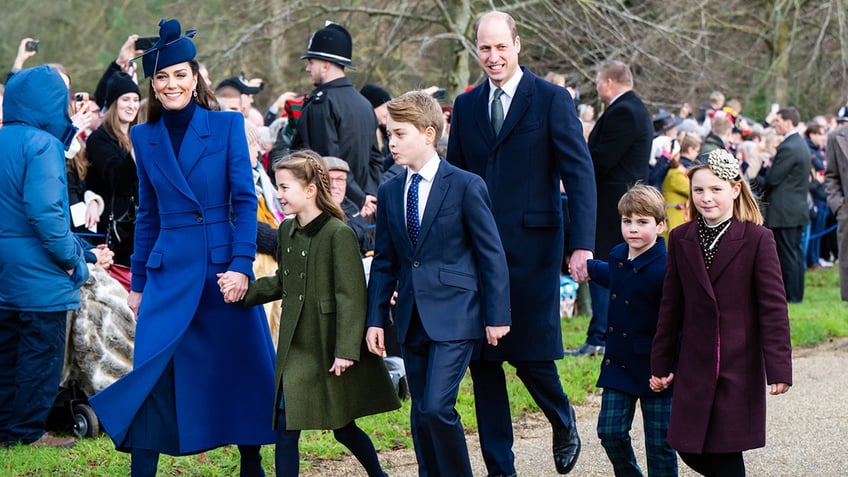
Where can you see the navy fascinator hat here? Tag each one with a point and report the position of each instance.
(171, 48)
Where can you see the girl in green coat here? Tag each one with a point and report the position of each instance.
(325, 376)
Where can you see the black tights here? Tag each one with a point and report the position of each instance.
(715, 465)
(144, 463)
(287, 456)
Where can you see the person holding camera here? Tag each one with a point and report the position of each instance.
(26, 50)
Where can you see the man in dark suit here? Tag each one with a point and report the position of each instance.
(620, 144)
(437, 245)
(785, 187)
(521, 134)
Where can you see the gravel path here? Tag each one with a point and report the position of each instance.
(807, 431)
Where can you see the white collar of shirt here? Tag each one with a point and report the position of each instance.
(428, 175)
(616, 98)
(794, 131)
(509, 88)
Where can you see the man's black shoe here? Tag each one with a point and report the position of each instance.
(587, 349)
(566, 448)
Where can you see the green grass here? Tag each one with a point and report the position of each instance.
(821, 316)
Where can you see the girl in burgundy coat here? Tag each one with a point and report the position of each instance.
(723, 330)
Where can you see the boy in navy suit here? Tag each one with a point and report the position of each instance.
(634, 276)
(436, 244)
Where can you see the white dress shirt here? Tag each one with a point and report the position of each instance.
(428, 174)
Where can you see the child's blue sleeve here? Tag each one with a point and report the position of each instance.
(599, 272)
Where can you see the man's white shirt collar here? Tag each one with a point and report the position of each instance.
(428, 172)
(509, 87)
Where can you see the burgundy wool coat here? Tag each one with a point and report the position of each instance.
(732, 326)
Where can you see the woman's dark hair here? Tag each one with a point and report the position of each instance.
(205, 98)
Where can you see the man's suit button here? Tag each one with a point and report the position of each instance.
(286, 272)
(624, 335)
(199, 218)
(610, 329)
(416, 264)
(303, 253)
(620, 264)
(607, 362)
(613, 296)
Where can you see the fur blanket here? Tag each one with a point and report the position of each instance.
(100, 335)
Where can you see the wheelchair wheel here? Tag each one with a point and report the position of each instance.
(85, 421)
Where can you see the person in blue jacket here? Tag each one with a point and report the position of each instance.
(203, 367)
(42, 265)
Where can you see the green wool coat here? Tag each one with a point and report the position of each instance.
(322, 284)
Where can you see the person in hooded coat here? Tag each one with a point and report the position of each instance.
(42, 265)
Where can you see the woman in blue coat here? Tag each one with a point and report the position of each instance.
(203, 372)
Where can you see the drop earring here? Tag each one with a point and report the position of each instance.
(194, 93)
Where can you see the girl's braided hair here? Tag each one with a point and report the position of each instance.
(309, 168)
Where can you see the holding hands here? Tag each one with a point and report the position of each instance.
(233, 285)
(661, 384)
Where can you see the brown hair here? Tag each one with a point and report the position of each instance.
(308, 167)
(618, 72)
(205, 98)
(112, 125)
(419, 109)
(642, 199)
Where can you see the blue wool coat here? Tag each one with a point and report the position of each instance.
(36, 244)
(196, 218)
(635, 292)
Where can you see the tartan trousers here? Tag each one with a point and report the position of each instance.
(614, 423)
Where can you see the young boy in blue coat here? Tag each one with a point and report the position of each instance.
(437, 245)
(634, 275)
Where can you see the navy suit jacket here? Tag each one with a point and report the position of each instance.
(540, 142)
(456, 275)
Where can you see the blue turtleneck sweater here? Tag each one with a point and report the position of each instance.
(176, 122)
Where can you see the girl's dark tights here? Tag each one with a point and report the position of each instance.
(715, 465)
(287, 457)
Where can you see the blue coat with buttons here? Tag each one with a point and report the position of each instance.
(635, 291)
(196, 218)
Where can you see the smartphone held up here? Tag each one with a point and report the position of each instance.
(31, 45)
(80, 100)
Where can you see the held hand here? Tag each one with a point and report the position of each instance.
(134, 301)
(779, 388)
(494, 333)
(234, 286)
(369, 207)
(340, 365)
(105, 257)
(661, 384)
(577, 266)
(374, 337)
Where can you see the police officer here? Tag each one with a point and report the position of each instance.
(337, 120)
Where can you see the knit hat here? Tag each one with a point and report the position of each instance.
(335, 164)
(375, 95)
(118, 85)
(331, 43)
(170, 49)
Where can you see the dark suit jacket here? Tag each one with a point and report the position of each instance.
(727, 329)
(540, 142)
(456, 274)
(787, 184)
(620, 144)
